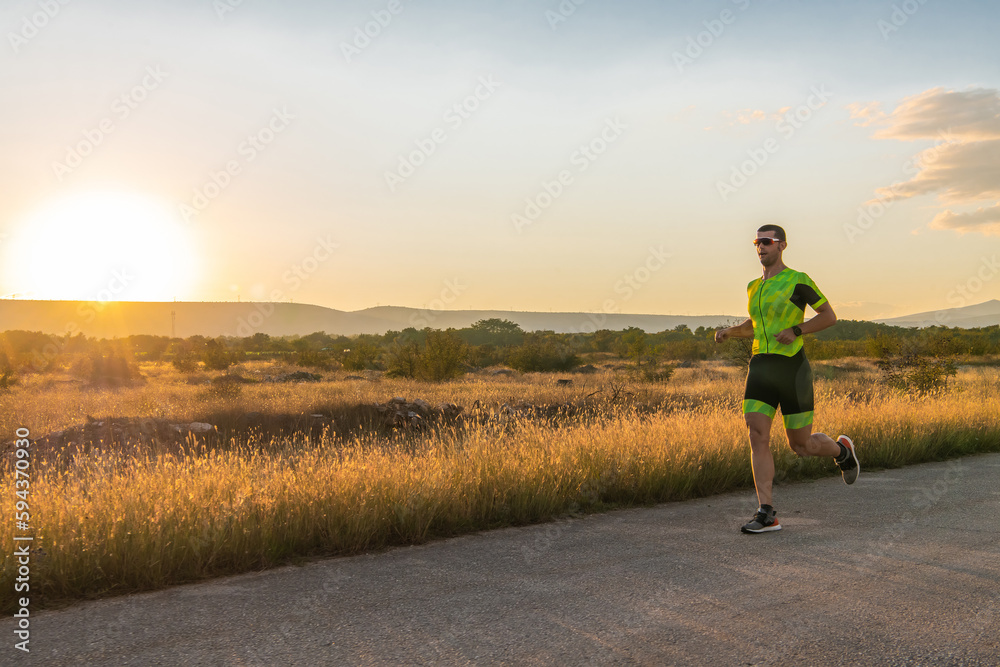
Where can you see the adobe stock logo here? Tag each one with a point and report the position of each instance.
(698, 44)
(787, 126)
(562, 13)
(364, 35)
(965, 292)
(121, 108)
(582, 158)
(248, 150)
(456, 116)
(33, 24)
(899, 17)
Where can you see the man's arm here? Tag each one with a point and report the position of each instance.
(742, 330)
(823, 319)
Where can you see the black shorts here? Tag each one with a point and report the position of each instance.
(774, 381)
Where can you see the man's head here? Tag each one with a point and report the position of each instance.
(770, 243)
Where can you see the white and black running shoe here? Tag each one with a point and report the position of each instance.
(849, 467)
(762, 522)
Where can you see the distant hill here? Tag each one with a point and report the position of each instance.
(187, 318)
(968, 317)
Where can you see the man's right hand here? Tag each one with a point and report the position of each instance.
(721, 335)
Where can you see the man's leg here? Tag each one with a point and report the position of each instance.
(759, 426)
(806, 443)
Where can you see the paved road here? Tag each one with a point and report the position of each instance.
(903, 568)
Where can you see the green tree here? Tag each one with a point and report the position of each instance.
(443, 356)
(403, 360)
(216, 357)
(635, 344)
(603, 340)
(494, 331)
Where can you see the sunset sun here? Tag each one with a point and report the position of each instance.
(100, 247)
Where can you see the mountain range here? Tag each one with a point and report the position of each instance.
(187, 318)
(966, 317)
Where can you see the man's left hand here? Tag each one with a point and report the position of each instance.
(787, 336)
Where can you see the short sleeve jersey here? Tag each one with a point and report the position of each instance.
(779, 303)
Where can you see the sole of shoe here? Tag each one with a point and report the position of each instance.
(850, 476)
(765, 529)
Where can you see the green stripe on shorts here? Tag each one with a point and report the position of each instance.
(751, 405)
(798, 420)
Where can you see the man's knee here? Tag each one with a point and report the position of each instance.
(800, 448)
(759, 427)
(801, 443)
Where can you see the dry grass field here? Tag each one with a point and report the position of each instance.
(110, 520)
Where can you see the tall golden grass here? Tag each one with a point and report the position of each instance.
(108, 523)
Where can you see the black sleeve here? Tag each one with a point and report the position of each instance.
(804, 294)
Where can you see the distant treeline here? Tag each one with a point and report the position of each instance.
(436, 354)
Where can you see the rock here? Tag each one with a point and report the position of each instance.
(297, 376)
(505, 372)
(564, 382)
(589, 368)
(200, 428)
(450, 410)
(231, 378)
(354, 377)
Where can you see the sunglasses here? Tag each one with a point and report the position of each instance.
(765, 241)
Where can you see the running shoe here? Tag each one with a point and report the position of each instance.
(849, 466)
(762, 522)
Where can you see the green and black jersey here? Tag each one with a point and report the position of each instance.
(779, 303)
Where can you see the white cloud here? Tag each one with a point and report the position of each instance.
(971, 115)
(964, 166)
(747, 117)
(957, 172)
(985, 220)
(866, 114)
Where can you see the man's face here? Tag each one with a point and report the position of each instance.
(769, 254)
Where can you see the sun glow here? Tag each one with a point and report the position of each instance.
(100, 247)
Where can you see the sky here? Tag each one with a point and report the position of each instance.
(573, 155)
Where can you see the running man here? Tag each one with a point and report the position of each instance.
(779, 374)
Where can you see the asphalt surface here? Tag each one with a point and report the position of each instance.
(903, 568)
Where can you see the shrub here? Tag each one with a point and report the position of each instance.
(362, 356)
(7, 379)
(403, 361)
(216, 357)
(443, 356)
(313, 359)
(111, 370)
(185, 362)
(653, 372)
(542, 355)
(915, 372)
(909, 365)
(485, 355)
(739, 351)
(229, 387)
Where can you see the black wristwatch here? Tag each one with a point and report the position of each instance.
(797, 331)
